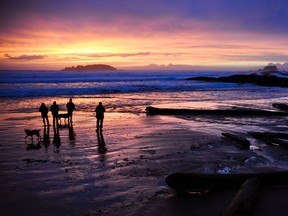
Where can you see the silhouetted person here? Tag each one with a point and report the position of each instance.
(100, 115)
(70, 108)
(72, 134)
(55, 109)
(44, 113)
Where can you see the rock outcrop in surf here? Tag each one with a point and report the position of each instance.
(260, 80)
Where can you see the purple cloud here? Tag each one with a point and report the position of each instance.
(267, 16)
(268, 57)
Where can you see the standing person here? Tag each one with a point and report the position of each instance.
(44, 113)
(55, 109)
(70, 108)
(100, 115)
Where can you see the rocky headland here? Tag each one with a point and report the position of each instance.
(261, 80)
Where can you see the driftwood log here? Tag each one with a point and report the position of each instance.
(220, 182)
(271, 138)
(244, 201)
(238, 140)
(228, 112)
(281, 106)
(269, 134)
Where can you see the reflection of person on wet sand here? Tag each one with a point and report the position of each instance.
(101, 144)
(46, 136)
(56, 138)
(100, 115)
(71, 131)
(55, 109)
(44, 113)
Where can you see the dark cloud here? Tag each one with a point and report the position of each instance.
(25, 57)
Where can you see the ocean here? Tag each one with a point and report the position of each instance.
(127, 90)
(60, 83)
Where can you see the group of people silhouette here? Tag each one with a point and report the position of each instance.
(54, 108)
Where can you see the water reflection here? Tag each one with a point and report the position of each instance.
(101, 145)
(72, 134)
(56, 139)
(53, 137)
(33, 146)
(46, 136)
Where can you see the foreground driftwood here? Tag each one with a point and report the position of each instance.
(238, 140)
(220, 182)
(235, 112)
(281, 106)
(271, 138)
(244, 200)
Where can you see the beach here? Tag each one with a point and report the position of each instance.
(122, 170)
(78, 177)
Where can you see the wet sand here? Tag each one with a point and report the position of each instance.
(122, 171)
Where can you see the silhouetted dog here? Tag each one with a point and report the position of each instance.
(64, 116)
(31, 133)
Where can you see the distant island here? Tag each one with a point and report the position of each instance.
(94, 67)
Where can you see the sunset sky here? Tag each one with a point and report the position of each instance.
(36, 34)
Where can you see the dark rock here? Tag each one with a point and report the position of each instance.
(260, 80)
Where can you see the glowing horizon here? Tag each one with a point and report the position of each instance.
(53, 35)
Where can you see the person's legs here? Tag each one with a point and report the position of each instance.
(55, 120)
(97, 125)
(70, 116)
(43, 118)
(101, 123)
(47, 120)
